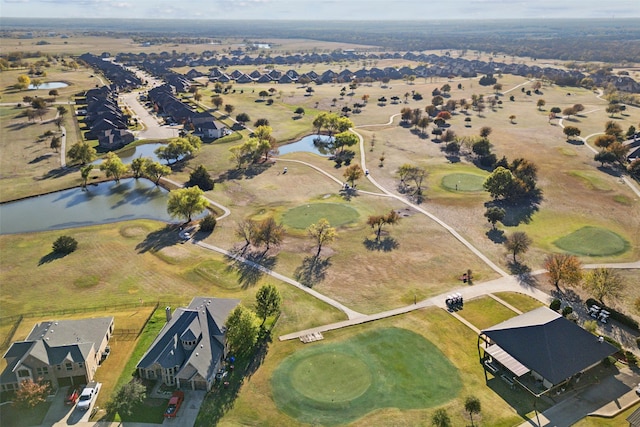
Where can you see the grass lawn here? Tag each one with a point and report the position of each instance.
(338, 382)
(520, 301)
(303, 216)
(14, 417)
(485, 312)
(618, 420)
(593, 241)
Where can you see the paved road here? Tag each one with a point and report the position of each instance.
(153, 129)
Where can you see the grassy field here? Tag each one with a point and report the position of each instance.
(592, 241)
(485, 312)
(338, 382)
(522, 302)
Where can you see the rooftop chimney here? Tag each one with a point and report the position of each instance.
(167, 311)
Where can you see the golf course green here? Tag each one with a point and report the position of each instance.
(303, 216)
(339, 382)
(463, 182)
(593, 241)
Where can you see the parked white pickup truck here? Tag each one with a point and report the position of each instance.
(87, 396)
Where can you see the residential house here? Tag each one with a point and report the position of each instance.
(63, 352)
(191, 347)
(206, 126)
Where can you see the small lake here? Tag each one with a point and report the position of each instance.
(49, 85)
(145, 150)
(307, 144)
(102, 203)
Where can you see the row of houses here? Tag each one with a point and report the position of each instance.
(187, 353)
(202, 124)
(104, 118)
(120, 78)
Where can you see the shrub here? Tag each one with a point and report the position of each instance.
(65, 245)
(555, 305)
(566, 311)
(208, 223)
(591, 326)
(631, 358)
(607, 361)
(616, 315)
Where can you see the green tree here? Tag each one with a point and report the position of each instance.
(262, 122)
(228, 108)
(85, 171)
(321, 232)
(138, 166)
(62, 110)
(65, 245)
(499, 183)
(217, 101)
(541, 103)
(344, 139)
(485, 131)
(605, 156)
(440, 418)
(82, 152)
(127, 397)
(113, 167)
(603, 141)
(494, 214)
(472, 406)
(31, 393)
(242, 330)
(481, 147)
(353, 173)
(563, 268)
(268, 302)
(208, 223)
(156, 170)
(56, 143)
(320, 121)
(299, 111)
(201, 177)
(243, 118)
(518, 243)
(634, 168)
(186, 202)
(604, 283)
(614, 129)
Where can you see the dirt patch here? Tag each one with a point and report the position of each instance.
(134, 231)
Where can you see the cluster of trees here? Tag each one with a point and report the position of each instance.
(145, 167)
(411, 179)
(244, 326)
(441, 417)
(331, 123)
(600, 282)
(260, 144)
(186, 202)
(258, 233)
(178, 148)
(514, 180)
(611, 144)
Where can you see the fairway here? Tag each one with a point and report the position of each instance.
(593, 241)
(463, 182)
(336, 383)
(303, 216)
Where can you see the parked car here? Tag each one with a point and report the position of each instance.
(72, 395)
(87, 396)
(174, 404)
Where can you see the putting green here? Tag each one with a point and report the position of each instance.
(307, 377)
(463, 182)
(593, 241)
(337, 383)
(305, 215)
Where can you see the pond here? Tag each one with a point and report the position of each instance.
(308, 144)
(49, 85)
(102, 203)
(145, 150)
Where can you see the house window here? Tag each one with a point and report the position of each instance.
(69, 366)
(43, 371)
(23, 373)
(80, 365)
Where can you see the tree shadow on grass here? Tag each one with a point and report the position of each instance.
(50, 257)
(249, 172)
(387, 244)
(518, 268)
(518, 211)
(312, 271)
(496, 236)
(248, 265)
(56, 173)
(159, 239)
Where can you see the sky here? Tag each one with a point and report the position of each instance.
(321, 9)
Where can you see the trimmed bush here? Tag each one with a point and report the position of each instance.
(567, 311)
(208, 223)
(555, 304)
(616, 315)
(65, 245)
(631, 358)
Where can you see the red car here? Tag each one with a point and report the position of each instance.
(72, 396)
(174, 404)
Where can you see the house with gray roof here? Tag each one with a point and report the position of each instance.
(190, 348)
(541, 350)
(62, 353)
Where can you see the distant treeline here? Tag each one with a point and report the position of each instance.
(609, 40)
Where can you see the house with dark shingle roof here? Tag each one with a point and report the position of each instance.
(62, 353)
(190, 348)
(543, 347)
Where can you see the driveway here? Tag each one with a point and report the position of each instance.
(60, 414)
(188, 412)
(153, 128)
